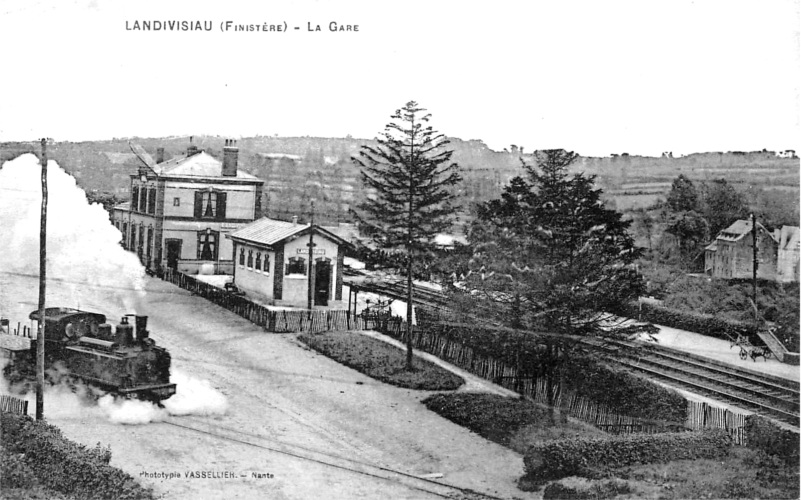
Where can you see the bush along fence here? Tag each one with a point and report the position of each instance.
(10, 404)
(277, 321)
(704, 324)
(649, 408)
(588, 456)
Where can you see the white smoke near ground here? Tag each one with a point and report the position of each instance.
(87, 269)
(192, 397)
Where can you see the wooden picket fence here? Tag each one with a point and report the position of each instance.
(276, 321)
(699, 415)
(10, 404)
(705, 416)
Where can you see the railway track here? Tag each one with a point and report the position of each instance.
(763, 394)
(766, 395)
(266, 444)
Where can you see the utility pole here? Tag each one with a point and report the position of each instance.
(311, 259)
(755, 266)
(40, 334)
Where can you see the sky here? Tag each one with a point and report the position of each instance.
(593, 77)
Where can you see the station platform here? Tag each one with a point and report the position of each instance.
(722, 350)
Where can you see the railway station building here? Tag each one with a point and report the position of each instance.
(272, 260)
(181, 210)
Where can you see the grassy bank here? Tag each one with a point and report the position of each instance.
(37, 461)
(511, 422)
(381, 361)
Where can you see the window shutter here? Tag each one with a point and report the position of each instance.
(199, 236)
(221, 197)
(198, 206)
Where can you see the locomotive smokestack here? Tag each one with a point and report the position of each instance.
(141, 328)
(124, 333)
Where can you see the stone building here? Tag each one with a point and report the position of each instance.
(182, 208)
(731, 254)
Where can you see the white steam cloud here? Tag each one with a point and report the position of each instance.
(192, 397)
(86, 266)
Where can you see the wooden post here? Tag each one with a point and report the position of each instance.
(350, 293)
(40, 336)
(311, 260)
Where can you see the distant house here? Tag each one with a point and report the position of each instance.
(181, 209)
(731, 254)
(787, 153)
(272, 262)
(788, 255)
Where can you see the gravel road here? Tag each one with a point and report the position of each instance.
(298, 425)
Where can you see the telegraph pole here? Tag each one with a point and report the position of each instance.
(755, 266)
(40, 334)
(311, 259)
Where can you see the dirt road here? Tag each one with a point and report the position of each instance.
(298, 425)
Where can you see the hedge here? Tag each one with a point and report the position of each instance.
(762, 434)
(624, 392)
(705, 324)
(64, 466)
(586, 456)
(620, 391)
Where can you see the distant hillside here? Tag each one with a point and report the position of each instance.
(298, 169)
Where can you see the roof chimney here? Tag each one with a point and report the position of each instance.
(192, 149)
(159, 155)
(294, 219)
(230, 158)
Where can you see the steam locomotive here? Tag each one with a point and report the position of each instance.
(124, 360)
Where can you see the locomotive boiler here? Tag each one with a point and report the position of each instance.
(122, 360)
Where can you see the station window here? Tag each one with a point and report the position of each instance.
(266, 264)
(176, 202)
(241, 256)
(250, 259)
(296, 265)
(207, 243)
(258, 261)
(210, 204)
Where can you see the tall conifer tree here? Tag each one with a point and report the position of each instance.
(411, 173)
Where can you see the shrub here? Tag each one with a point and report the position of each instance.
(705, 324)
(624, 392)
(585, 490)
(64, 466)
(14, 472)
(584, 457)
(762, 434)
(381, 361)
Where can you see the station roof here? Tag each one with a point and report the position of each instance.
(201, 165)
(269, 232)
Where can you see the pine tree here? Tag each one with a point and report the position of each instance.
(551, 234)
(552, 258)
(411, 174)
